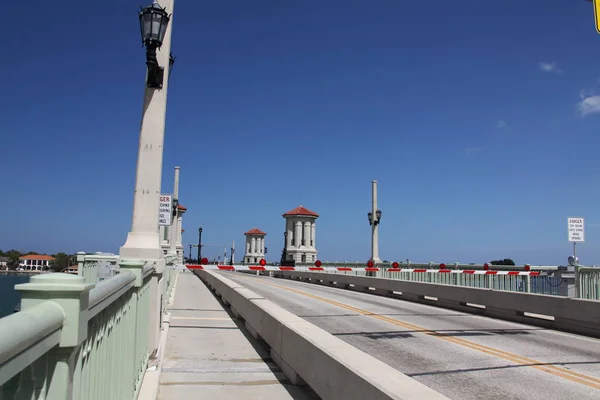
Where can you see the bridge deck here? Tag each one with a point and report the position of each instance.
(207, 354)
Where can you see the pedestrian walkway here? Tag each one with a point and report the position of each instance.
(208, 356)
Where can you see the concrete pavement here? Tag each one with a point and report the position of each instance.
(208, 356)
(460, 355)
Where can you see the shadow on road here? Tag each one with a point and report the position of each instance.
(449, 332)
(459, 371)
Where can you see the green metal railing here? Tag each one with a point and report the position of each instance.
(82, 339)
(588, 283)
(546, 283)
(514, 283)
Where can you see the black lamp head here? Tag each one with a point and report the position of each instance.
(153, 26)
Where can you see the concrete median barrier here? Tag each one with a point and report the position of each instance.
(306, 354)
(567, 314)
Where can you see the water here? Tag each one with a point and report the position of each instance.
(10, 297)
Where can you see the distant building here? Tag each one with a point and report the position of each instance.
(300, 228)
(4, 262)
(255, 246)
(35, 262)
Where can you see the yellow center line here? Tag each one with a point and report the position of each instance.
(520, 360)
(203, 319)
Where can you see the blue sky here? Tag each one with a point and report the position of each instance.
(479, 120)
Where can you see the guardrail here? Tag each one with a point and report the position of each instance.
(309, 355)
(428, 265)
(588, 282)
(539, 284)
(555, 312)
(532, 279)
(80, 340)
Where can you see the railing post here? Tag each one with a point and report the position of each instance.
(72, 294)
(80, 262)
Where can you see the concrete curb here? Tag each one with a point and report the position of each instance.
(309, 355)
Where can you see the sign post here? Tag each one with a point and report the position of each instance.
(576, 233)
(165, 209)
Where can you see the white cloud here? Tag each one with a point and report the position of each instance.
(588, 105)
(501, 124)
(469, 151)
(549, 67)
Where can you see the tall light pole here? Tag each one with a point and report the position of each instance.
(374, 218)
(143, 240)
(284, 251)
(190, 254)
(200, 245)
(175, 220)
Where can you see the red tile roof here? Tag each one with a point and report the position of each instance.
(37, 257)
(255, 231)
(301, 211)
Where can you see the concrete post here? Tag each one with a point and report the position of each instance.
(179, 243)
(568, 286)
(72, 294)
(143, 240)
(80, 262)
(374, 227)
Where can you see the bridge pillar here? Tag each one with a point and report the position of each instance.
(143, 240)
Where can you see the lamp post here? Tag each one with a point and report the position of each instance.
(143, 240)
(199, 245)
(374, 219)
(175, 214)
(284, 251)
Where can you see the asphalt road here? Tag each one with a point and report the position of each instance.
(462, 356)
